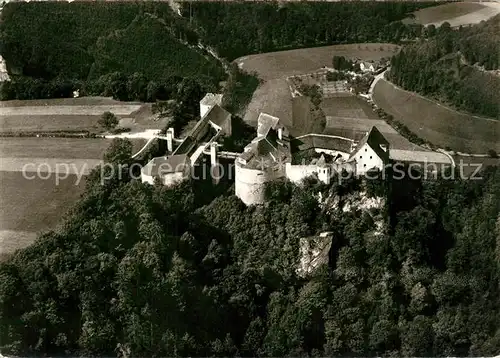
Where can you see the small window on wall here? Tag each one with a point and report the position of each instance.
(370, 157)
(364, 165)
(360, 157)
(366, 149)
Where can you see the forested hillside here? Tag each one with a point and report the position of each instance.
(236, 29)
(142, 50)
(455, 67)
(190, 271)
(61, 46)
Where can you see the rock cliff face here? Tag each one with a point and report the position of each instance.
(315, 250)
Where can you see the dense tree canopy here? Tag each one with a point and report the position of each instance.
(191, 271)
(454, 66)
(236, 29)
(131, 50)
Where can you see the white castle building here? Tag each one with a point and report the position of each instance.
(270, 155)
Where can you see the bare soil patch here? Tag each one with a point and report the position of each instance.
(436, 123)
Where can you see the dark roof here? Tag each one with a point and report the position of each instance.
(247, 155)
(324, 142)
(265, 122)
(374, 139)
(165, 165)
(267, 144)
(217, 115)
(185, 147)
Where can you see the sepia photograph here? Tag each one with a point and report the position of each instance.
(249, 178)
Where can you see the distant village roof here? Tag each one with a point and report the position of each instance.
(217, 115)
(166, 165)
(212, 99)
(374, 139)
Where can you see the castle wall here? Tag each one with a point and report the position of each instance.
(249, 183)
(296, 173)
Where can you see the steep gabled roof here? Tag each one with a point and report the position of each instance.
(217, 115)
(321, 161)
(374, 139)
(166, 165)
(266, 122)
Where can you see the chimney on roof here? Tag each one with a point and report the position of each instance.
(214, 163)
(384, 147)
(280, 133)
(170, 139)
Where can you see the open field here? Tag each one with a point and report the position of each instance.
(79, 101)
(280, 64)
(273, 95)
(77, 110)
(68, 148)
(350, 116)
(457, 13)
(73, 114)
(347, 106)
(28, 207)
(436, 123)
(40, 123)
(470, 164)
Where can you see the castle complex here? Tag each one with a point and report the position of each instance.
(272, 154)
